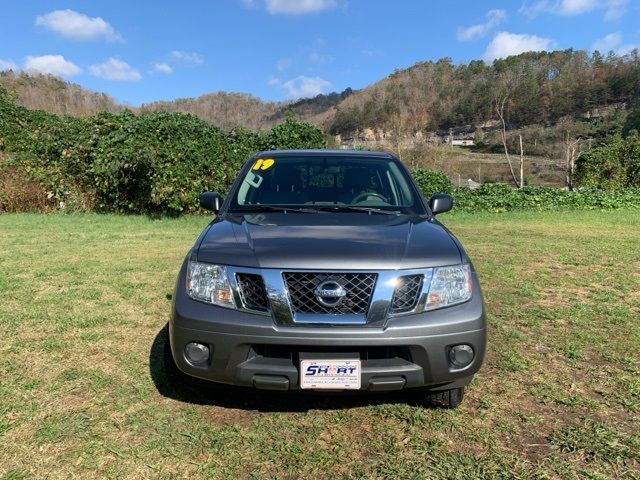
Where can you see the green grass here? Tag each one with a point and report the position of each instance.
(83, 301)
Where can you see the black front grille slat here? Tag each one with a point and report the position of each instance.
(406, 294)
(359, 288)
(364, 353)
(252, 291)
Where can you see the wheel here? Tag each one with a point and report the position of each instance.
(445, 398)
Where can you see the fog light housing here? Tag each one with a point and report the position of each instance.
(196, 353)
(461, 355)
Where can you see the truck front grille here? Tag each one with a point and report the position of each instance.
(252, 291)
(407, 293)
(358, 286)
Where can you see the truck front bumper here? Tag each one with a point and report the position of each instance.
(251, 350)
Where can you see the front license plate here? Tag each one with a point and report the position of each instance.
(330, 374)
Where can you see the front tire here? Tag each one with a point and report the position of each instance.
(445, 398)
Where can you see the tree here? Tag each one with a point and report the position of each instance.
(612, 166)
(574, 135)
(294, 134)
(500, 102)
(632, 122)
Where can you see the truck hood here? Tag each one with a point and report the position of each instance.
(328, 241)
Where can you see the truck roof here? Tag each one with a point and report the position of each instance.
(326, 153)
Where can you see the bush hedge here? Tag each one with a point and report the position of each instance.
(499, 197)
(159, 162)
(151, 162)
(503, 198)
(432, 181)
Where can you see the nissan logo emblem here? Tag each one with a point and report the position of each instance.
(330, 293)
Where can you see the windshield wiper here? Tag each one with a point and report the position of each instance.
(352, 208)
(273, 208)
(316, 209)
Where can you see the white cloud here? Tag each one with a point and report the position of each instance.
(163, 67)
(53, 64)
(534, 9)
(613, 43)
(274, 80)
(114, 69)
(505, 44)
(576, 7)
(614, 9)
(8, 65)
(175, 59)
(608, 43)
(494, 18)
(295, 7)
(303, 86)
(186, 57)
(71, 24)
(320, 58)
(283, 64)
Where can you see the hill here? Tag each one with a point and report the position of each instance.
(223, 109)
(539, 88)
(52, 94)
(428, 99)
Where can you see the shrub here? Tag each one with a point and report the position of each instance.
(19, 193)
(293, 134)
(346, 120)
(151, 162)
(632, 121)
(613, 166)
(432, 181)
(154, 162)
(502, 198)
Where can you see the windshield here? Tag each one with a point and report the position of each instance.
(331, 182)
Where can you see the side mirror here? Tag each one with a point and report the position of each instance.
(211, 201)
(440, 203)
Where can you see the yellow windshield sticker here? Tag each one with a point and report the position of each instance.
(263, 163)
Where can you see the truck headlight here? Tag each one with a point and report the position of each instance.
(449, 286)
(209, 283)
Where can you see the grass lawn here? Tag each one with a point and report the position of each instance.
(83, 304)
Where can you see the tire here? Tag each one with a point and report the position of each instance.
(445, 398)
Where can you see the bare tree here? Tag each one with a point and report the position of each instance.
(573, 144)
(499, 104)
(521, 163)
(572, 150)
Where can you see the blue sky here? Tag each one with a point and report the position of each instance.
(141, 50)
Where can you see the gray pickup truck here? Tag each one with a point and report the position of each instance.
(327, 270)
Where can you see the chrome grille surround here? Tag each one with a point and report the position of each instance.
(282, 310)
